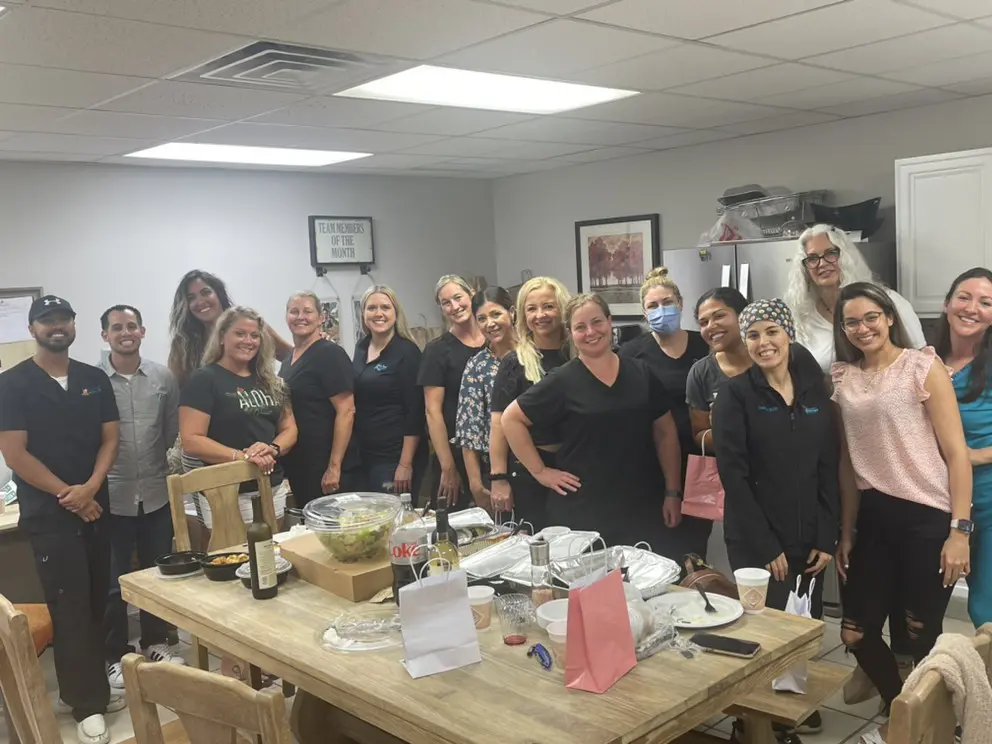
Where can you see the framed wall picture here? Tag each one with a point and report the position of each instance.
(613, 256)
(341, 241)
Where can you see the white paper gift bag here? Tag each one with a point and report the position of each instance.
(436, 622)
(794, 680)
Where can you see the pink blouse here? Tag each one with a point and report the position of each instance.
(890, 436)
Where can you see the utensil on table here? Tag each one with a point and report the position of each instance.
(709, 607)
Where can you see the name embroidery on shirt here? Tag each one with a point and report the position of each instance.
(90, 391)
(380, 367)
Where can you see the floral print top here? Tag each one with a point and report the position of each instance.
(474, 400)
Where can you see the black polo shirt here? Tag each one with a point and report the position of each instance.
(442, 366)
(64, 430)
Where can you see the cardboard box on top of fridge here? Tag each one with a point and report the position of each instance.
(356, 582)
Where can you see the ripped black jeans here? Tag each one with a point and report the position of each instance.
(895, 562)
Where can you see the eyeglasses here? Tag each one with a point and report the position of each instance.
(830, 256)
(870, 320)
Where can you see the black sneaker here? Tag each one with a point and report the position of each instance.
(782, 735)
(812, 725)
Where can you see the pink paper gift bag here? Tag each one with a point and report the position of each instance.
(703, 490)
(600, 646)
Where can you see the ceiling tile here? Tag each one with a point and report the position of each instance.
(684, 64)
(451, 122)
(699, 18)
(416, 29)
(395, 161)
(825, 96)
(555, 48)
(169, 98)
(579, 131)
(755, 84)
(836, 27)
(340, 112)
(603, 153)
(964, 9)
(774, 124)
(76, 41)
(978, 87)
(7, 135)
(667, 109)
(926, 47)
(460, 147)
(555, 7)
(55, 157)
(45, 86)
(919, 97)
(698, 137)
(68, 143)
(537, 150)
(949, 72)
(259, 19)
(135, 126)
(318, 138)
(19, 118)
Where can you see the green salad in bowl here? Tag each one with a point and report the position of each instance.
(353, 526)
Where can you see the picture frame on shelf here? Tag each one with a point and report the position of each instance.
(613, 256)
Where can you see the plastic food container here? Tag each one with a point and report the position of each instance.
(353, 526)
(552, 612)
(283, 567)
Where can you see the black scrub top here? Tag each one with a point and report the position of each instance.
(389, 404)
(322, 371)
(607, 442)
(442, 365)
(673, 374)
(65, 432)
(511, 382)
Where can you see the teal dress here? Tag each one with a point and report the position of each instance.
(976, 417)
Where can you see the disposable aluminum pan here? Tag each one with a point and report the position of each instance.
(514, 553)
(649, 573)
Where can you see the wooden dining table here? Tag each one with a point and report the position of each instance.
(507, 698)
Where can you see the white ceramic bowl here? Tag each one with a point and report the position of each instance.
(552, 612)
(558, 632)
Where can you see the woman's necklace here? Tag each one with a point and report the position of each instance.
(872, 377)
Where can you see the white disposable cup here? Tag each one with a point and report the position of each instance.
(480, 599)
(557, 633)
(752, 588)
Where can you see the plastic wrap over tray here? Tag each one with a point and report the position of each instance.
(514, 553)
(565, 547)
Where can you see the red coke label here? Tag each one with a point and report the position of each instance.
(408, 546)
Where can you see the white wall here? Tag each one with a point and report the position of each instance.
(535, 214)
(101, 235)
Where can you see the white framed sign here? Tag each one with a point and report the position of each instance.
(341, 241)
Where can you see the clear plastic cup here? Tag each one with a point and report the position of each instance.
(480, 599)
(557, 633)
(516, 616)
(752, 588)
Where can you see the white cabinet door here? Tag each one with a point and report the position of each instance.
(944, 223)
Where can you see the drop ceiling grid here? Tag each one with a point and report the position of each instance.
(712, 68)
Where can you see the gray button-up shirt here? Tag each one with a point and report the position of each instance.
(149, 408)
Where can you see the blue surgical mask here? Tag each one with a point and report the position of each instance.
(665, 319)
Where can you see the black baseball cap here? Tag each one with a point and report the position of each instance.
(47, 305)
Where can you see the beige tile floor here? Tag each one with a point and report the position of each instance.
(841, 724)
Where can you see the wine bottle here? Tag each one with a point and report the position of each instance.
(261, 554)
(444, 544)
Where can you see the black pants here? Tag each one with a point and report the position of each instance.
(530, 498)
(690, 536)
(465, 500)
(778, 591)
(304, 481)
(151, 534)
(74, 569)
(895, 563)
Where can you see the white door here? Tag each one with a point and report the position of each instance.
(943, 223)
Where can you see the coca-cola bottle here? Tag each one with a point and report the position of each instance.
(408, 553)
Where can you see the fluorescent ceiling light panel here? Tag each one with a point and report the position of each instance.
(445, 86)
(246, 155)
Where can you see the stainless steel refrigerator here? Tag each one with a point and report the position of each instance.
(758, 268)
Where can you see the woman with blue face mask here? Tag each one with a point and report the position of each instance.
(670, 352)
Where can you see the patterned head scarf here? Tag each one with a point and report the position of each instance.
(774, 310)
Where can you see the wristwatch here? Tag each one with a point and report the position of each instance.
(498, 477)
(964, 526)
(277, 448)
(672, 493)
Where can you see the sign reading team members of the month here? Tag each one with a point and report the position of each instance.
(339, 241)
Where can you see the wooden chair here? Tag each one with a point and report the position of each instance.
(926, 715)
(28, 708)
(212, 708)
(219, 484)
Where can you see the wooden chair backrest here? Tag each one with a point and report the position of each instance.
(22, 682)
(219, 484)
(926, 715)
(211, 707)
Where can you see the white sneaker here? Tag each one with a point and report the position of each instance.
(872, 737)
(115, 676)
(114, 704)
(93, 730)
(162, 652)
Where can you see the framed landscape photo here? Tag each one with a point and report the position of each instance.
(613, 256)
(341, 241)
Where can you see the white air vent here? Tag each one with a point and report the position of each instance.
(287, 67)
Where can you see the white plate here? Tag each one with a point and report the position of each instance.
(689, 610)
(197, 572)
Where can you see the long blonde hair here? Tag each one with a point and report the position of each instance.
(402, 327)
(528, 354)
(658, 277)
(263, 365)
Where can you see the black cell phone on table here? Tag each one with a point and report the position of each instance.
(718, 644)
